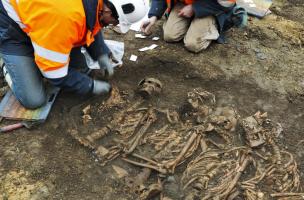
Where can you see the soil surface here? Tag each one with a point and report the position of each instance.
(260, 68)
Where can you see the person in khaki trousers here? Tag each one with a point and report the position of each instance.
(194, 21)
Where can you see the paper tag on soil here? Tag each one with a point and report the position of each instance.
(153, 46)
(133, 58)
(138, 35)
(144, 49)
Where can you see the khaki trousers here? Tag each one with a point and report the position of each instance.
(197, 33)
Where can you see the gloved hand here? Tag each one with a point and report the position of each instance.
(101, 87)
(105, 64)
(146, 26)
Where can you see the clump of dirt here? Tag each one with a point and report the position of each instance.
(290, 9)
(278, 28)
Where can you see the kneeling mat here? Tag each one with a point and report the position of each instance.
(10, 107)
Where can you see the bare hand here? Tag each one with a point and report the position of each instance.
(187, 11)
(146, 26)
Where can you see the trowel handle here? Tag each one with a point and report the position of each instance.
(11, 127)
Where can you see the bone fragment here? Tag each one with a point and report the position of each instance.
(159, 169)
(153, 191)
(120, 171)
(203, 144)
(150, 118)
(144, 158)
(99, 134)
(172, 164)
(287, 194)
(236, 178)
(102, 151)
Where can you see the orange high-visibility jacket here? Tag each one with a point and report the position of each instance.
(54, 27)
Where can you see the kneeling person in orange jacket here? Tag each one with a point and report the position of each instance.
(42, 37)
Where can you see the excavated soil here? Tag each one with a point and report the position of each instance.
(260, 68)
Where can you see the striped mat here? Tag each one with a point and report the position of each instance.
(258, 8)
(10, 108)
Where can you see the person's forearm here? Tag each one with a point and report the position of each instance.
(98, 47)
(158, 8)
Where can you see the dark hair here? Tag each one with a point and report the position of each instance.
(112, 8)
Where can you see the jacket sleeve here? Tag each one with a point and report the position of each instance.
(204, 8)
(75, 82)
(158, 8)
(98, 47)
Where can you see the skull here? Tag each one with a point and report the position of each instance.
(253, 129)
(149, 86)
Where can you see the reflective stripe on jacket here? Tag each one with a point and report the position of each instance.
(54, 27)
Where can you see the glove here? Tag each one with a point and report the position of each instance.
(101, 87)
(105, 64)
(146, 26)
